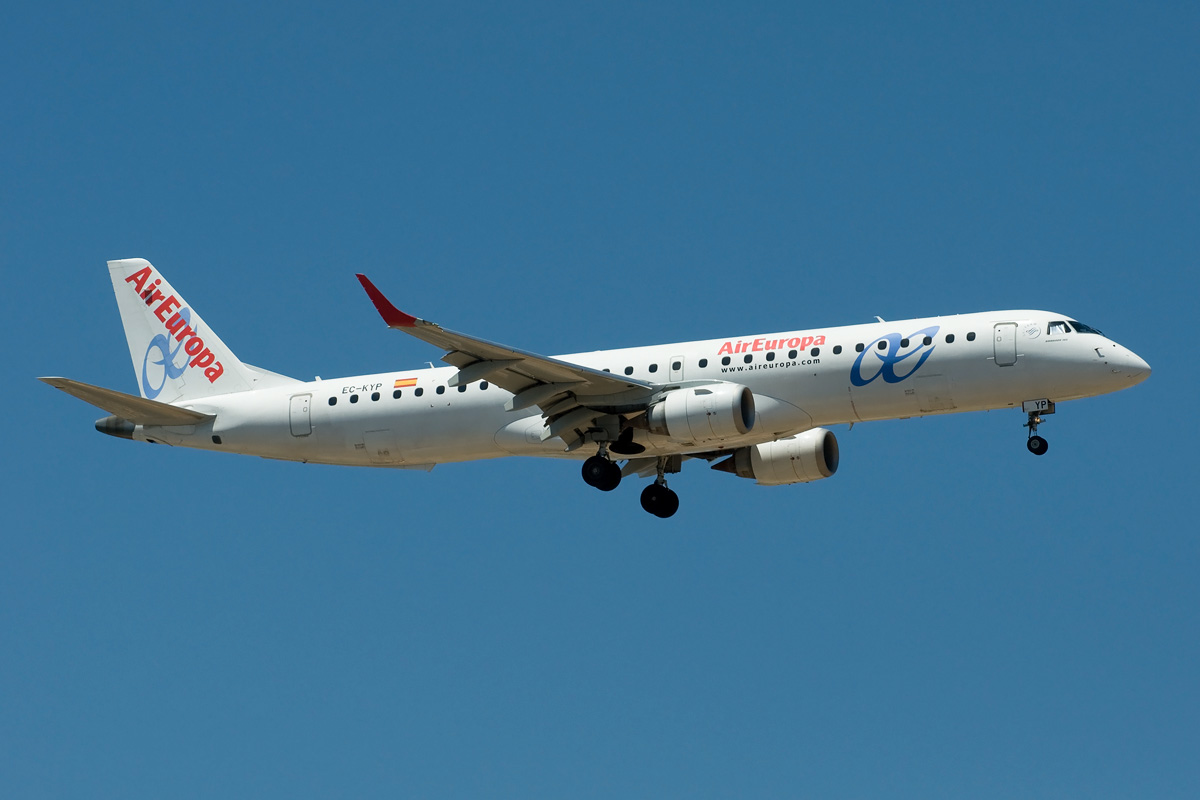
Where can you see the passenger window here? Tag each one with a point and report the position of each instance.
(396, 394)
(629, 370)
(748, 358)
(771, 356)
(725, 361)
(676, 365)
(374, 396)
(418, 391)
(883, 345)
(462, 387)
(483, 385)
(353, 398)
(837, 349)
(904, 342)
(971, 336)
(858, 348)
(440, 390)
(792, 354)
(949, 338)
(703, 363)
(927, 340)
(333, 401)
(654, 367)
(816, 352)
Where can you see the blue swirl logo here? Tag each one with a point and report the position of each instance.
(892, 356)
(167, 359)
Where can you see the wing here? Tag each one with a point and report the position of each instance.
(573, 398)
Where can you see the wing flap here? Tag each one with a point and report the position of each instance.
(137, 410)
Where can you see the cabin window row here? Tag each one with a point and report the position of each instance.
(398, 393)
(794, 354)
(702, 363)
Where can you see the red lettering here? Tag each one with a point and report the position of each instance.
(175, 323)
(184, 332)
(214, 372)
(138, 279)
(805, 342)
(758, 345)
(153, 297)
(819, 340)
(168, 305)
(725, 348)
(204, 359)
(194, 346)
(793, 342)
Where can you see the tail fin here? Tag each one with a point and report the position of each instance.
(175, 355)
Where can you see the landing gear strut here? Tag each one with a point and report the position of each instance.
(1035, 409)
(657, 498)
(601, 472)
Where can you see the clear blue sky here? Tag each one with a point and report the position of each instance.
(946, 617)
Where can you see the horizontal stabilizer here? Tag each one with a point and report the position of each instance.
(137, 410)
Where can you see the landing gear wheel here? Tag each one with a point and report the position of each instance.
(598, 471)
(659, 500)
(1037, 445)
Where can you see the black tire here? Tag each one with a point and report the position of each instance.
(651, 498)
(1037, 445)
(594, 470)
(601, 473)
(612, 477)
(670, 505)
(659, 501)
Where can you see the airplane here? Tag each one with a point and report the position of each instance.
(757, 406)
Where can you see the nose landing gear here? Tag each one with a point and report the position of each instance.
(1035, 409)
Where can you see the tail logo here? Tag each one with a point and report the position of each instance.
(171, 369)
(179, 326)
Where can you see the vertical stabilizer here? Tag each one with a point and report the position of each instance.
(175, 355)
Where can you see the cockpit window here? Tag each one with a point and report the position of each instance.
(1079, 326)
(1057, 327)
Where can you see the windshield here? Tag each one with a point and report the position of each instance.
(1081, 328)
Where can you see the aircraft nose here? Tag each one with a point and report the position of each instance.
(1129, 365)
(1137, 368)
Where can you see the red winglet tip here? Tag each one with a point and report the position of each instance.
(394, 317)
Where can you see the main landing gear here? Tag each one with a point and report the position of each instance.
(1035, 409)
(659, 500)
(601, 472)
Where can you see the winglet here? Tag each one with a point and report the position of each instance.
(394, 317)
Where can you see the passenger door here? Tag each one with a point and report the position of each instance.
(1006, 344)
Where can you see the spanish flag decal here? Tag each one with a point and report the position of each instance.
(403, 383)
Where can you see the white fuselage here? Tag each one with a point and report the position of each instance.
(800, 380)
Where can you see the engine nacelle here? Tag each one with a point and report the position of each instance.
(698, 414)
(809, 456)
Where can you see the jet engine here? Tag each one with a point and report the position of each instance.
(713, 413)
(809, 456)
